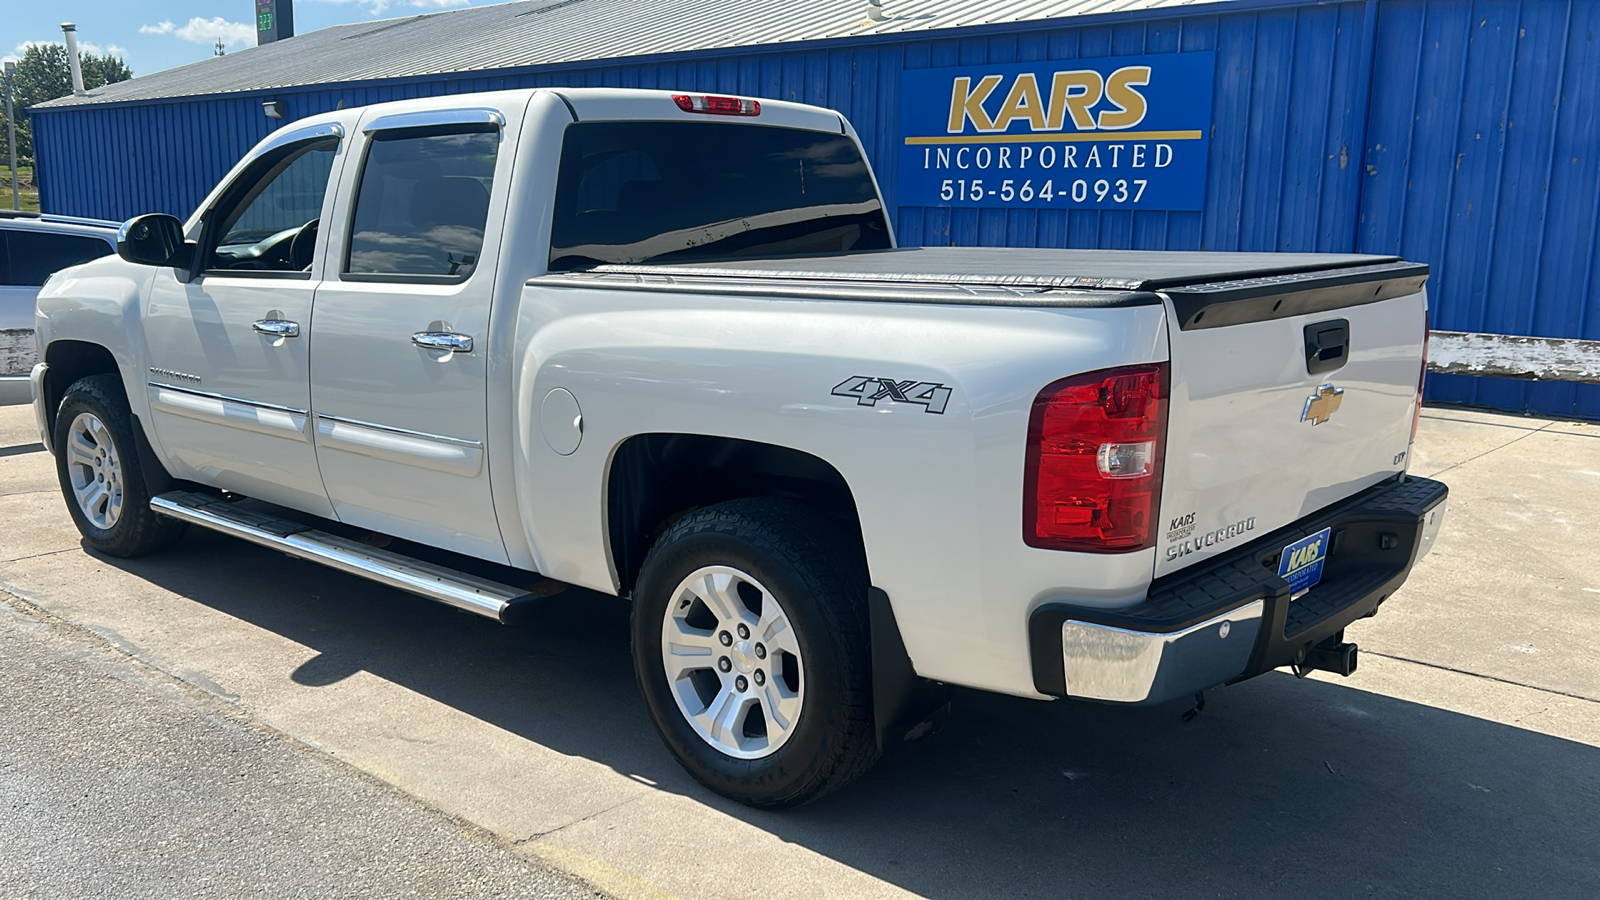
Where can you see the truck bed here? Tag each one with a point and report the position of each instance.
(1244, 348)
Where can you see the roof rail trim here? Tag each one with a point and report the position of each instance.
(474, 115)
(310, 132)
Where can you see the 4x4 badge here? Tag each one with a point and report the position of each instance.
(931, 396)
(1321, 406)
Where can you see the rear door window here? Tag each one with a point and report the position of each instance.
(423, 204)
(633, 192)
(36, 255)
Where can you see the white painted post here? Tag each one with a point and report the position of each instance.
(11, 133)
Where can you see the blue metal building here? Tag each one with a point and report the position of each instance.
(1461, 133)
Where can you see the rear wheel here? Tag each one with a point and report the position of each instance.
(100, 474)
(750, 641)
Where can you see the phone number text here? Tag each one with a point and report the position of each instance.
(975, 190)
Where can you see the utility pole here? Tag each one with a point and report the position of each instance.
(11, 133)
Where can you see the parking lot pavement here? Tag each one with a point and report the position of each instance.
(118, 781)
(1462, 760)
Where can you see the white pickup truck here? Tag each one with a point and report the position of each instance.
(663, 346)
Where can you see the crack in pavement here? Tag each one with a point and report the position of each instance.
(1547, 424)
(539, 835)
(1522, 436)
(1470, 674)
(7, 562)
(1486, 424)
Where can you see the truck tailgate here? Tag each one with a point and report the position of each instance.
(1289, 393)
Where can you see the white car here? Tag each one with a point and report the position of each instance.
(32, 248)
(663, 346)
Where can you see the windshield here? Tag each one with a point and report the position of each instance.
(633, 192)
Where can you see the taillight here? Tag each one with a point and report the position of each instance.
(717, 106)
(1095, 448)
(1416, 411)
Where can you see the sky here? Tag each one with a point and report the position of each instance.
(151, 35)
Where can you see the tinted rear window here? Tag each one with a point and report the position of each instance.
(423, 204)
(632, 192)
(36, 255)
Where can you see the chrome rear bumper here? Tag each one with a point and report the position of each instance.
(1123, 666)
(1232, 617)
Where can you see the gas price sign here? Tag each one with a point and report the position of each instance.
(274, 20)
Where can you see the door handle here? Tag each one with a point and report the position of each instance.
(279, 328)
(1327, 345)
(447, 341)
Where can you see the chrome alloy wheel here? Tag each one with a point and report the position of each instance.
(95, 470)
(733, 662)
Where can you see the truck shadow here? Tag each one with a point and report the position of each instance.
(1277, 789)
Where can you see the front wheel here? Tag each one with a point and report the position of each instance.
(101, 478)
(751, 644)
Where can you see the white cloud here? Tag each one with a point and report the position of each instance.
(379, 7)
(83, 47)
(92, 47)
(372, 7)
(206, 31)
(16, 54)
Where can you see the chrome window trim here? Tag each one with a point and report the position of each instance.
(326, 129)
(459, 442)
(476, 115)
(224, 397)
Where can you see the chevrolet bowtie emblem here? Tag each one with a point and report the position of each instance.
(1321, 406)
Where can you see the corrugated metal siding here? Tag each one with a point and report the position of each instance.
(1484, 161)
(1481, 146)
(1286, 95)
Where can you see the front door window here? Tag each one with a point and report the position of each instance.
(269, 221)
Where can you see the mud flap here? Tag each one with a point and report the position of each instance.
(904, 706)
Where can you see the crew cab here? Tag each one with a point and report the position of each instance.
(664, 346)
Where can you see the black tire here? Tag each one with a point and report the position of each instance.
(820, 582)
(137, 530)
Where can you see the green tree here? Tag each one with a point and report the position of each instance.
(43, 74)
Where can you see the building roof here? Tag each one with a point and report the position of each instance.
(553, 32)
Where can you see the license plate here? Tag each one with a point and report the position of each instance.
(1301, 562)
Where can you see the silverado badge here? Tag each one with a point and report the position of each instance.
(1321, 406)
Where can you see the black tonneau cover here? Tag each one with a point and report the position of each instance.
(1208, 290)
(1127, 270)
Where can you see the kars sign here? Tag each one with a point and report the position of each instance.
(1127, 132)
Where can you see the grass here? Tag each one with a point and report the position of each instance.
(27, 193)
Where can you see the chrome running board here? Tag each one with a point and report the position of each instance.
(458, 589)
